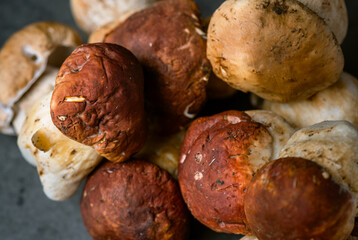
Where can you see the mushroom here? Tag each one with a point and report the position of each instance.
(98, 100)
(295, 198)
(163, 151)
(336, 102)
(133, 200)
(279, 50)
(311, 191)
(92, 14)
(23, 59)
(168, 40)
(61, 162)
(218, 157)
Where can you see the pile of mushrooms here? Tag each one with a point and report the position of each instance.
(122, 109)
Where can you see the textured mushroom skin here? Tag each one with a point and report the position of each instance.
(98, 100)
(294, 198)
(133, 200)
(218, 157)
(168, 40)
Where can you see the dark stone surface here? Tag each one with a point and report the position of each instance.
(25, 212)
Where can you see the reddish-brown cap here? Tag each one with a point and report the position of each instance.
(168, 40)
(218, 157)
(99, 101)
(295, 198)
(133, 200)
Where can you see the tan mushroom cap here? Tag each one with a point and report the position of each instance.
(23, 59)
(331, 144)
(279, 50)
(337, 102)
(61, 162)
(92, 14)
(334, 13)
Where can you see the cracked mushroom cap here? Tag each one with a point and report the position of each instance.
(168, 40)
(218, 157)
(331, 144)
(337, 102)
(23, 59)
(133, 200)
(61, 162)
(98, 100)
(279, 50)
(92, 14)
(295, 198)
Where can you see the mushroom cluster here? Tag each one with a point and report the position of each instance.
(121, 109)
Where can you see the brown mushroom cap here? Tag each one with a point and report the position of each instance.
(294, 198)
(218, 157)
(24, 58)
(168, 40)
(133, 200)
(279, 50)
(98, 100)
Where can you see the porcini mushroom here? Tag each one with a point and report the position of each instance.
(23, 59)
(218, 157)
(337, 102)
(98, 100)
(61, 162)
(168, 40)
(133, 200)
(279, 50)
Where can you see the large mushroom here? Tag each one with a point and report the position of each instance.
(168, 40)
(61, 162)
(279, 50)
(98, 100)
(218, 157)
(23, 61)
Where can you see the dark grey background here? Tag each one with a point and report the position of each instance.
(25, 212)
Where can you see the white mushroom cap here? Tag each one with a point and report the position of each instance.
(331, 144)
(61, 162)
(279, 50)
(278, 127)
(337, 102)
(334, 13)
(249, 238)
(24, 58)
(92, 14)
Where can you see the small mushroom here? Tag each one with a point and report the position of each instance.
(61, 162)
(168, 39)
(92, 14)
(23, 60)
(295, 198)
(279, 50)
(337, 102)
(133, 200)
(217, 160)
(98, 100)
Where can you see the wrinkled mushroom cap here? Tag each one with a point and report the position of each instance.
(295, 198)
(279, 50)
(331, 144)
(98, 100)
(61, 162)
(92, 14)
(337, 102)
(334, 13)
(218, 157)
(23, 59)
